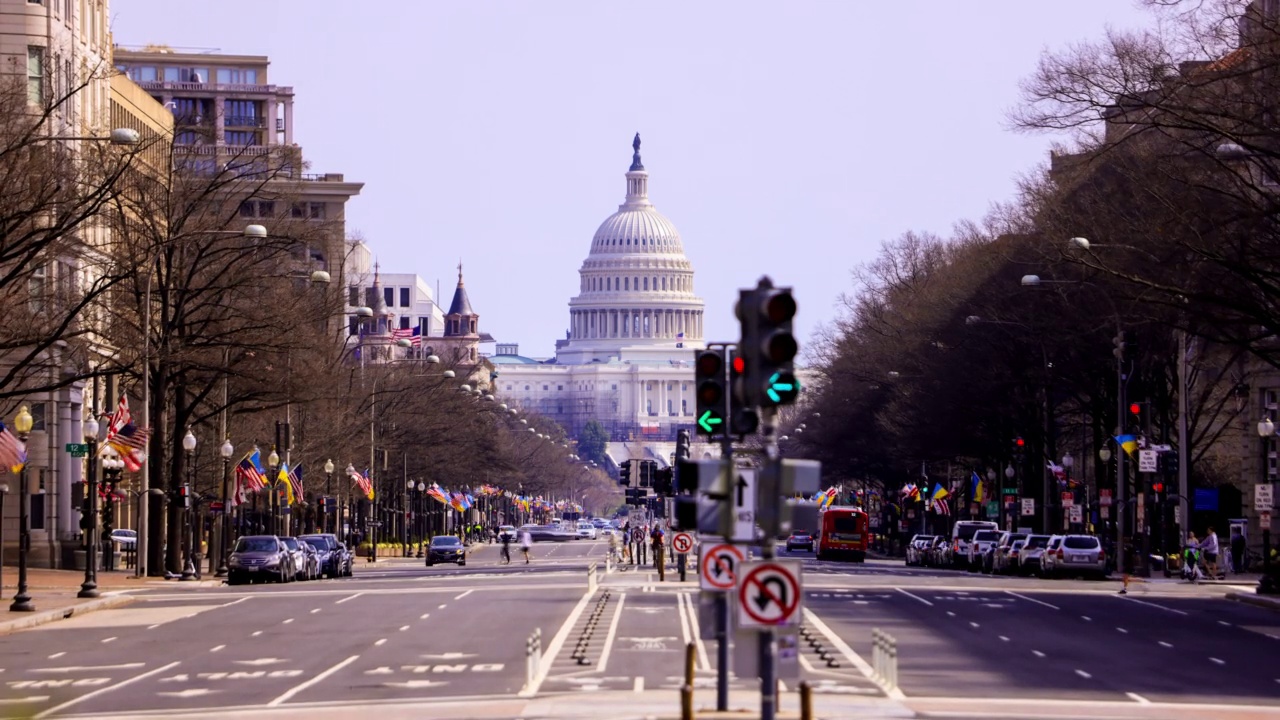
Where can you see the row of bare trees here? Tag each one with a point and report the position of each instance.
(136, 263)
(1155, 216)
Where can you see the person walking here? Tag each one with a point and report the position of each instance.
(659, 552)
(526, 541)
(1238, 548)
(1209, 546)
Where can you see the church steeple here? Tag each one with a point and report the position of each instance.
(461, 320)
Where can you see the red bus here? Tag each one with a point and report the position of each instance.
(843, 531)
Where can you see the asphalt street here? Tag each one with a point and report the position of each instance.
(447, 636)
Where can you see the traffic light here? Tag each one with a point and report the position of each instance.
(743, 419)
(768, 346)
(711, 395)
(1117, 345)
(624, 473)
(663, 481)
(645, 472)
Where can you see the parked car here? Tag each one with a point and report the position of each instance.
(961, 536)
(938, 553)
(980, 546)
(916, 549)
(1007, 562)
(331, 554)
(800, 540)
(259, 557)
(1032, 550)
(995, 560)
(125, 538)
(303, 561)
(446, 548)
(1081, 554)
(1049, 560)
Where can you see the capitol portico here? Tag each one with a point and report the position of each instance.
(626, 359)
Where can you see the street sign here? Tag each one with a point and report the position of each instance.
(1104, 512)
(719, 571)
(1104, 498)
(78, 449)
(1263, 497)
(993, 508)
(1068, 499)
(1028, 506)
(682, 542)
(742, 501)
(1264, 520)
(216, 505)
(1075, 514)
(1147, 460)
(769, 593)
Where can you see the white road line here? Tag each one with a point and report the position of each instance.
(914, 597)
(1126, 632)
(286, 622)
(464, 594)
(379, 642)
(1224, 623)
(353, 597)
(56, 655)
(856, 660)
(153, 627)
(236, 602)
(974, 624)
(1031, 599)
(256, 633)
(403, 628)
(684, 620)
(1086, 618)
(1037, 653)
(75, 701)
(1144, 602)
(216, 649)
(553, 648)
(1216, 660)
(1138, 698)
(110, 639)
(950, 614)
(313, 612)
(294, 691)
(608, 638)
(1004, 638)
(704, 658)
(1083, 674)
(1165, 644)
(424, 616)
(441, 607)
(638, 685)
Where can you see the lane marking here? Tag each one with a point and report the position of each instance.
(236, 602)
(465, 594)
(950, 614)
(1224, 623)
(424, 616)
(1083, 674)
(313, 612)
(684, 621)
(294, 691)
(353, 597)
(1138, 698)
(530, 689)
(110, 639)
(286, 622)
(974, 624)
(1031, 599)
(1165, 644)
(1037, 653)
(1216, 660)
(1126, 632)
(56, 655)
(100, 691)
(379, 642)
(403, 628)
(256, 633)
(442, 607)
(1004, 638)
(80, 668)
(704, 658)
(1086, 618)
(216, 649)
(914, 597)
(856, 660)
(1144, 602)
(638, 685)
(153, 627)
(603, 662)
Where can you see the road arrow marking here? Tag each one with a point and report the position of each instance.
(384, 670)
(188, 693)
(175, 678)
(261, 661)
(81, 668)
(448, 656)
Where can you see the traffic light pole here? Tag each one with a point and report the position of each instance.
(722, 598)
(768, 654)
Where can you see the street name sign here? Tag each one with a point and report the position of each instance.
(78, 449)
(720, 564)
(769, 594)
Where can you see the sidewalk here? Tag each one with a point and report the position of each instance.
(53, 592)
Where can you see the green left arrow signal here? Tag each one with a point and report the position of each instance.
(709, 421)
(782, 387)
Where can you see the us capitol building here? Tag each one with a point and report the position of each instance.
(627, 358)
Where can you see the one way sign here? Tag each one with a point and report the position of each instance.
(769, 593)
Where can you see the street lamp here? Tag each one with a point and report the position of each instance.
(22, 601)
(328, 495)
(422, 487)
(1266, 430)
(89, 588)
(273, 462)
(188, 566)
(226, 451)
(351, 470)
(404, 524)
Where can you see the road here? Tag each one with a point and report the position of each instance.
(453, 639)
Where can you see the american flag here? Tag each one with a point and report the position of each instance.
(130, 437)
(119, 419)
(416, 338)
(941, 506)
(401, 333)
(13, 453)
(295, 479)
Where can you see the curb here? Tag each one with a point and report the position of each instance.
(48, 616)
(1255, 600)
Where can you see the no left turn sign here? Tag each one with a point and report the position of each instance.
(719, 569)
(769, 594)
(682, 542)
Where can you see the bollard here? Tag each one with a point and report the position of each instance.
(893, 664)
(686, 702)
(591, 577)
(690, 659)
(806, 700)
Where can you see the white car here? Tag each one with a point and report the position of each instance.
(509, 532)
(588, 531)
(609, 531)
(125, 537)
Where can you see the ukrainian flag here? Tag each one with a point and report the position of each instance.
(283, 477)
(1128, 443)
(977, 487)
(939, 492)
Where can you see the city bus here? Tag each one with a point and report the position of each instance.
(842, 531)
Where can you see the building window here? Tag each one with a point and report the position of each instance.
(316, 211)
(508, 386)
(626, 283)
(404, 297)
(671, 407)
(684, 407)
(353, 295)
(559, 387)
(353, 325)
(241, 138)
(35, 510)
(404, 322)
(526, 388)
(38, 420)
(298, 210)
(615, 388)
(257, 208)
(240, 113)
(237, 76)
(38, 288)
(35, 75)
(545, 388)
(389, 296)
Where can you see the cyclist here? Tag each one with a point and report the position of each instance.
(526, 541)
(613, 546)
(506, 549)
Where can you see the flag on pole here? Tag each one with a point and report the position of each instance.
(977, 493)
(939, 492)
(13, 452)
(295, 479)
(282, 478)
(1128, 443)
(120, 418)
(416, 338)
(941, 506)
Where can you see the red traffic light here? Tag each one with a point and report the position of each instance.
(1158, 487)
(1135, 408)
(1019, 442)
(739, 365)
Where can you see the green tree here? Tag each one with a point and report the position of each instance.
(592, 442)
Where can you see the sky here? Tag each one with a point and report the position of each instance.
(782, 139)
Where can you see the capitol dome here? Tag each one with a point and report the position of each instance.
(636, 285)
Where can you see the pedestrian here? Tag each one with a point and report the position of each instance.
(1209, 546)
(659, 552)
(526, 542)
(1238, 547)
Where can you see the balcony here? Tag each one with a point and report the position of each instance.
(193, 120)
(244, 121)
(211, 87)
(232, 150)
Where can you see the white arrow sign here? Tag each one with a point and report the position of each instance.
(188, 693)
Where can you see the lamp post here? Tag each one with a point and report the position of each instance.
(89, 588)
(345, 508)
(419, 525)
(328, 496)
(1067, 463)
(273, 463)
(22, 601)
(1010, 474)
(1266, 430)
(188, 564)
(112, 466)
(226, 450)
(405, 501)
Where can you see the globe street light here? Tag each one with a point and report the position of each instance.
(273, 477)
(328, 495)
(188, 566)
(422, 487)
(346, 507)
(226, 450)
(1266, 585)
(22, 601)
(89, 588)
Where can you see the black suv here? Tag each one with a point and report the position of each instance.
(334, 559)
(446, 548)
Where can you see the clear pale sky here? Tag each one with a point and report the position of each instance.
(787, 138)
